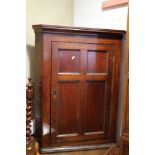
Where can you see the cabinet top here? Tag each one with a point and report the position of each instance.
(40, 28)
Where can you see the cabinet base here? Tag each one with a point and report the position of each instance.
(75, 148)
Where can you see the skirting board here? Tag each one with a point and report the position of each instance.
(74, 148)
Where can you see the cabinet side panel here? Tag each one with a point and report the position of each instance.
(38, 85)
(115, 90)
(46, 92)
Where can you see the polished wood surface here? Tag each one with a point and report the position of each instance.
(107, 33)
(125, 113)
(95, 107)
(68, 108)
(69, 61)
(97, 61)
(30, 141)
(29, 99)
(76, 100)
(32, 149)
(77, 85)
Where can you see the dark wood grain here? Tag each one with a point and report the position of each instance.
(68, 108)
(97, 62)
(29, 100)
(79, 77)
(95, 104)
(84, 31)
(69, 61)
(30, 141)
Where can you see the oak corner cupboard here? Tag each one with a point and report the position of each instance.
(76, 87)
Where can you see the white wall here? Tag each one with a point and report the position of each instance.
(89, 13)
(56, 12)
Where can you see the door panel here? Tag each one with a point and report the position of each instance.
(69, 61)
(97, 61)
(66, 81)
(82, 81)
(98, 79)
(68, 108)
(95, 100)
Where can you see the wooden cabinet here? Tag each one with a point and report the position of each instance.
(76, 86)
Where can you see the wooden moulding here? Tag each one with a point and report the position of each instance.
(113, 3)
(83, 31)
(75, 148)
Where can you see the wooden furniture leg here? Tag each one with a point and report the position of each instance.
(30, 141)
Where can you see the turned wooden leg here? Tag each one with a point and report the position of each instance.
(30, 141)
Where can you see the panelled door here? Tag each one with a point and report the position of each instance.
(81, 87)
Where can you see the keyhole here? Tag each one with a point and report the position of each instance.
(73, 57)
